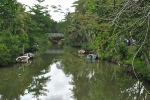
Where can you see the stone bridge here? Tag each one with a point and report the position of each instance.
(56, 35)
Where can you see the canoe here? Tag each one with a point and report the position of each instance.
(81, 51)
(22, 59)
(30, 55)
(91, 56)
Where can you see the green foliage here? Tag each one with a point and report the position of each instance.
(98, 25)
(4, 55)
(40, 1)
(122, 50)
(20, 28)
(11, 46)
(41, 19)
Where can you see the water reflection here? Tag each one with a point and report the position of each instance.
(55, 87)
(100, 80)
(54, 51)
(23, 65)
(69, 76)
(135, 92)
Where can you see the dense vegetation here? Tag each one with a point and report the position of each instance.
(103, 26)
(97, 25)
(20, 28)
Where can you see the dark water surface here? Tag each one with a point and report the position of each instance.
(62, 74)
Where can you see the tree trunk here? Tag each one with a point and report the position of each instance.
(147, 62)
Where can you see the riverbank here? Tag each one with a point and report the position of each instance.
(136, 68)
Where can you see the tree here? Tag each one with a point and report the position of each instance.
(40, 24)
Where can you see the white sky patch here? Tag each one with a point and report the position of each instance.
(65, 4)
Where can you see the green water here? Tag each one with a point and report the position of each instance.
(62, 74)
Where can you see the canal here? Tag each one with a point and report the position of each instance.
(62, 74)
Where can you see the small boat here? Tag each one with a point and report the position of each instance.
(30, 55)
(22, 59)
(91, 56)
(81, 51)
